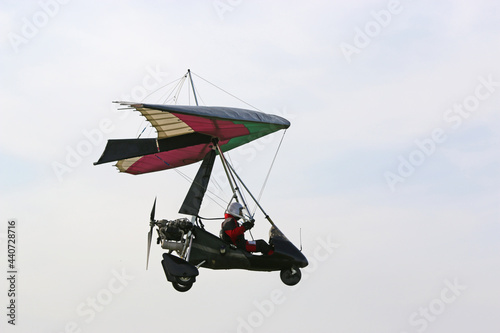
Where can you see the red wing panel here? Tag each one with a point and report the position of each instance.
(170, 159)
(222, 129)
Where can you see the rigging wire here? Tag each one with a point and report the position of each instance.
(175, 88)
(179, 83)
(217, 185)
(164, 86)
(199, 96)
(239, 99)
(190, 180)
(176, 97)
(209, 194)
(269, 171)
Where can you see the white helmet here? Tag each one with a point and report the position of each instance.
(235, 209)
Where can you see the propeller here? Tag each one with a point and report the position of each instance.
(150, 233)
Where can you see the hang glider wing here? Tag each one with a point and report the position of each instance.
(186, 134)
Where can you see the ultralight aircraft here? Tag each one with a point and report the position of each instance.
(188, 134)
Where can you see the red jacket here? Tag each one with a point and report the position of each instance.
(232, 232)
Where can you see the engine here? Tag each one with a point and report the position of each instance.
(172, 234)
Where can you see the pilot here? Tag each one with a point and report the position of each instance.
(233, 232)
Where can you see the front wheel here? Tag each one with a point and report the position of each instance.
(181, 287)
(185, 280)
(290, 276)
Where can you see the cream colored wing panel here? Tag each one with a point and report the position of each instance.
(166, 124)
(123, 165)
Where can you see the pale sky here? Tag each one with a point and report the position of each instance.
(390, 168)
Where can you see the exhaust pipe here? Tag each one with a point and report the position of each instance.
(170, 245)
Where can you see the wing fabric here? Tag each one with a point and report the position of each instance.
(185, 135)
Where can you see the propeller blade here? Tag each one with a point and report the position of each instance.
(152, 218)
(150, 235)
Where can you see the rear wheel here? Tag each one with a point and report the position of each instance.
(290, 276)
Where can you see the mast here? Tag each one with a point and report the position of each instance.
(192, 87)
